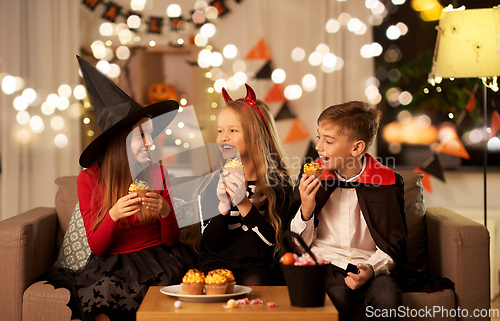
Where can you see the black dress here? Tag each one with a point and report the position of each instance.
(245, 245)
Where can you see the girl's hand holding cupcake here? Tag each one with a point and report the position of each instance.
(126, 206)
(236, 186)
(156, 204)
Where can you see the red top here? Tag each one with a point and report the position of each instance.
(119, 237)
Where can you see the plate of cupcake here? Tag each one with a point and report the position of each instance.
(217, 285)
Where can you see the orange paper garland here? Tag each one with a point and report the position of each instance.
(259, 52)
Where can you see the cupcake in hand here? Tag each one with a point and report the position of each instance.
(193, 282)
(234, 165)
(141, 188)
(215, 284)
(313, 169)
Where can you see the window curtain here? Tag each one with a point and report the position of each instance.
(38, 42)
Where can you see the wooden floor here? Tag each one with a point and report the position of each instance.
(495, 304)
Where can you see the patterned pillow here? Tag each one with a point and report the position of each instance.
(75, 248)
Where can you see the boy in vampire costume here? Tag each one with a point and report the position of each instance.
(353, 215)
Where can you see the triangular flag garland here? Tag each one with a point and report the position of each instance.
(285, 112)
(265, 72)
(297, 132)
(259, 52)
(432, 166)
(426, 180)
(113, 11)
(275, 94)
(495, 124)
(454, 147)
(312, 153)
(471, 104)
(220, 6)
(91, 4)
(155, 25)
(450, 143)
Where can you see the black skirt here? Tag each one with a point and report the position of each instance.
(115, 285)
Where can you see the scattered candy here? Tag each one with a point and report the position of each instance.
(256, 301)
(271, 304)
(231, 304)
(306, 260)
(178, 304)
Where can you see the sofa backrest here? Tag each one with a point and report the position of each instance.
(66, 199)
(416, 243)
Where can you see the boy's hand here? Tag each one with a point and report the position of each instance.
(308, 187)
(355, 281)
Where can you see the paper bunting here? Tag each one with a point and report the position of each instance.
(91, 4)
(275, 95)
(220, 6)
(471, 104)
(312, 153)
(112, 11)
(265, 72)
(454, 147)
(175, 23)
(495, 124)
(259, 52)
(285, 112)
(179, 24)
(155, 24)
(450, 143)
(297, 132)
(426, 180)
(433, 167)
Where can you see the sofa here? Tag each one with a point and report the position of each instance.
(439, 241)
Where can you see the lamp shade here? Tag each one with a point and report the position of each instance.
(468, 44)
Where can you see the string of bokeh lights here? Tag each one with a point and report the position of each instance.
(127, 35)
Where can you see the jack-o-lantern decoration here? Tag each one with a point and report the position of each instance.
(159, 92)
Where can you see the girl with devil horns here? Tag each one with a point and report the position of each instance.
(246, 236)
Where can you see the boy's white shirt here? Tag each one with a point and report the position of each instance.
(343, 238)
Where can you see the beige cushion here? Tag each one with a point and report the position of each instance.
(66, 199)
(42, 302)
(422, 301)
(415, 220)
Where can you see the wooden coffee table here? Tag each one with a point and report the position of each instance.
(158, 306)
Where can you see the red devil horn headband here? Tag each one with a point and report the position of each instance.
(250, 99)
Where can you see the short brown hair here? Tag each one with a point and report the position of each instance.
(355, 119)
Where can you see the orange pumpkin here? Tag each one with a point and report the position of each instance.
(159, 92)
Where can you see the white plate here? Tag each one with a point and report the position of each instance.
(176, 291)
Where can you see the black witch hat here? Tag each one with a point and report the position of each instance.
(115, 111)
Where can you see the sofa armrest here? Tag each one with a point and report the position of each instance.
(27, 246)
(459, 249)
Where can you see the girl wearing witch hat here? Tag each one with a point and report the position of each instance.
(128, 254)
(253, 203)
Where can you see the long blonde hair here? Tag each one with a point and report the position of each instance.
(268, 157)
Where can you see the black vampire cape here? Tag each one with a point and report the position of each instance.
(380, 193)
